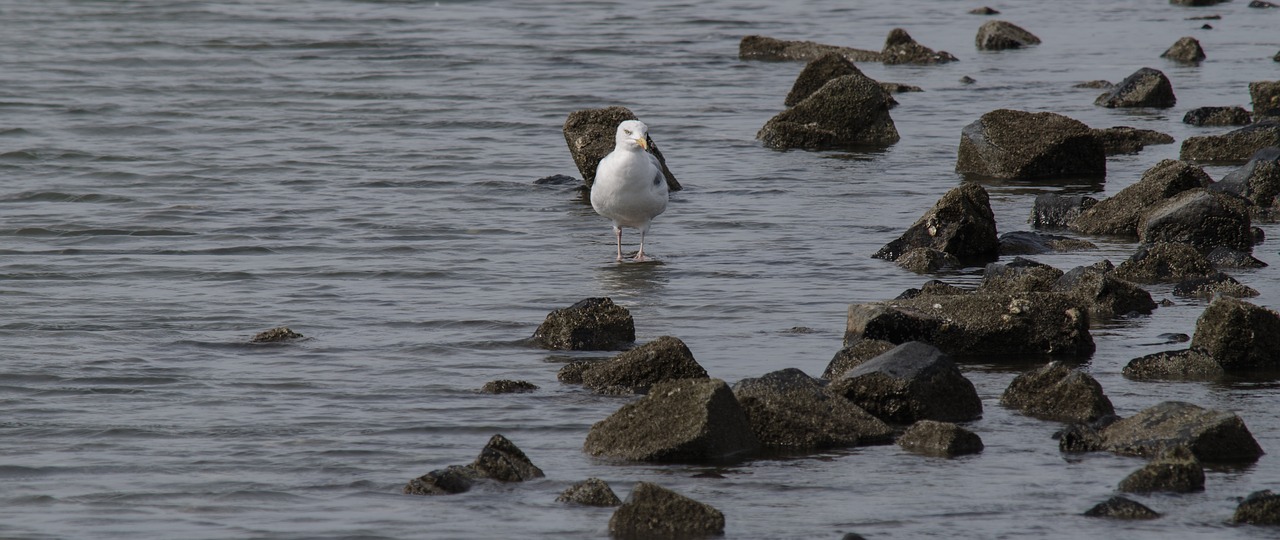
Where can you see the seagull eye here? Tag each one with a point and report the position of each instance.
(627, 131)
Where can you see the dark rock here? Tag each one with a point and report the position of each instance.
(960, 223)
(1213, 436)
(1165, 262)
(652, 511)
(791, 410)
(967, 80)
(1259, 508)
(1052, 210)
(636, 370)
(1276, 57)
(1095, 84)
(592, 133)
(767, 48)
(1206, 26)
(1258, 180)
(858, 352)
(590, 492)
(506, 386)
(1235, 146)
(1183, 365)
(572, 372)
(984, 10)
(1176, 471)
(275, 335)
(913, 381)
(936, 287)
(817, 73)
(1127, 140)
(943, 439)
(683, 420)
(448, 481)
(1106, 296)
(847, 112)
(593, 324)
(1120, 214)
(1032, 243)
(1216, 284)
(1079, 438)
(501, 460)
(900, 48)
(1000, 35)
(1147, 87)
(1225, 257)
(1261, 4)
(1121, 508)
(927, 260)
(1017, 144)
(556, 180)
(1238, 335)
(1186, 49)
(1199, 217)
(1217, 116)
(1057, 392)
(1196, 3)
(899, 88)
(1206, 17)
(1018, 276)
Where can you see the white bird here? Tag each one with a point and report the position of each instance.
(630, 188)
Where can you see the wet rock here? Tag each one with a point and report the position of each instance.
(1165, 262)
(961, 223)
(935, 287)
(789, 409)
(1213, 436)
(913, 381)
(1052, 210)
(1217, 116)
(590, 492)
(571, 373)
(592, 324)
(1176, 471)
(636, 370)
(275, 335)
(506, 386)
(1206, 26)
(927, 260)
(1000, 35)
(901, 48)
(1057, 392)
(1225, 257)
(1078, 438)
(652, 511)
(1147, 87)
(1018, 276)
(817, 73)
(1121, 508)
(1095, 84)
(943, 439)
(967, 80)
(1186, 50)
(1239, 335)
(1199, 217)
(1276, 57)
(1216, 284)
(847, 112)
(1017, 144)
(856, 353)
(683, 420)
(500, 460)
(1258, 180)
(591, 134)
(447, 481)
(1120, 214)
(1106, 296)
(899, 88)
(767, 48)
(984, 10)
(1235, 146)
(1259, 508)
(1181, 365)
(1032, 243)
(1196, 3)
(1127, 140)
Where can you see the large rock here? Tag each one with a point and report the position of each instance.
(1238, 335)
(1057, 392)
(1176, 471)
(1181, 365)
(1053, 211)
(636, 370)
(1213, 436)
(1128, 140)
(652, 511)
(1000, 35)
(767, 48)
(847, 112)
(1147, 87)
(1016, 144)
(592, 324)
(1165, 262)
(960, 223)
(1235, 146)
(943, 439)
(790, 410)
(684, 420)
(1259, 508)
(901, 48)
(590, 492)
(1258, 180)
(817, 73)
(1266, 99)
(1217, 116)
(854, 354)
(1201, 218)
(1106, 296)
(914, 381)
(1120, 214)
(1033, 243)
(1185, 50)
(592, 133)
(1121, 508)
(500, 460)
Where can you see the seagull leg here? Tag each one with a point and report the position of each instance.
(640, 254)
(617, 233)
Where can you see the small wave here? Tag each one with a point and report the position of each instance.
(42, 231)
(58, 196)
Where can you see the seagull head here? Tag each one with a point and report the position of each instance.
(633, 132)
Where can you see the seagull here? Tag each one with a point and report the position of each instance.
(630, 188)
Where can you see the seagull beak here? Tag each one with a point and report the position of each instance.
(643, 143)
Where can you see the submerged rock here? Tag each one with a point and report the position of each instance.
(1182, 365)
(636, 370)
(1213, 436)
(1176, 471)
(683, 420)
(1225, 257)
(1258, 180)
(1052, 210)
(1120, 214)
(506, 386)
(1127, 140)
(1121, 508)
(591, 135)
(500, 460)
(767, 48)
(847, 112)
(927, 260)
(448, 481)
(943, 439)
(1185, 50)
(901, 48)
(1106, 296)
(1234, 146)
(1165, 262)
(1238, 335)
(961, 223)
(1265, 96)
(652, 511)
(1201, 218)
(1000, 35)
(1031, 243)
(1056, 392)
(788, 409)
(1209, 287)
(1259, 508)
(914, 381)
(592, 324)
(275, 335)
(1217, 116)
(1016, 144)
(590, 492)
(1147, 87)
(854, 354)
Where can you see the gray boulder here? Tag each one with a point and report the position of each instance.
(984, 10)
(1176, 471)
(636, 370)
(448, 481)
(1266, 99)
(506, 386)
(590, 492)
(1259, 508)
(683, 420)
(1217, 116)
(854, 354)
(1214, 285)
(1238, 335)
(571, 373)
(913, 381)
(500, 460)
(1000, 35)
(1120, 214)
(1225, 257)
(1033, 243)
(1052, 211)
(817, 73)
(652, 511)
(1213, 436)
(1186, 50)
(847, 112)
(1258, 180)
(1016, 144)
(1017, 276)
(1201, 218)
(1057, 392)
(1147, 87)
(1121, 508)
(927, 260)
(942, 439)
(777, 50)
(790, 410)
(1181, 365)
(592, 324)
(1127, 140)
(591, 135)
(1232, 147)
(901, 48)
(961, 223)
(1165, 262)
(1106, 296)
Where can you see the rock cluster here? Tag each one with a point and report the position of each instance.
(499, 460)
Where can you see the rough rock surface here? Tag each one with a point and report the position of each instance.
(1000, 35)
(1121, 508)
(591, 135)
(1202, 218)
(1181, 365)
(684, 420)
(1165, 262)
(507, 386)
(652, 511)
(1147, 87)
(1265, 96)
(592, 324)
(1240, 336)
(961, 223)
(590, 492)
(447, 481)
(1119, 215)
(1057, 392)
(1259, 508)
(789, 409)
(850, 111)
(984, 10)
(1176, 471)
(1234, 146)
(1032, 243)
(1016, 144)
(817, 73)
(1258, 180)
(1209, 287)
(1105, 295)
(1052, 211)
(767, 48)
(913, 381)
(1225, 257)
(854, 354)
(1217, 116)
(1017, 276)
(1128, 140)
(1213, 436)
(1186, 49)
(943, 439)
(927, 260)
(500, 460)
(901, 48)
(275, 335)
(636, 370)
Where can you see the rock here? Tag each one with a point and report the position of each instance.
(961, 223)
(1164, 262)
(1206, 26)
(506, 386)
(900, 48)
(767, 48)
(1186, 50)
(1205, 17)
(1121, 508)
(1262, 4)
(913, 381)
(1000, 35)
(1196, 3)
(1127, 140)
(1199, 217)
(572, 372)
(448, 481)
(1276, 57)
(1017, 144)
(1032, 243)
(592, 324)
(856, 353)
(1258, 180)
(1017, 276)
(1225, 257)
(979, 324)
(1217, 116)
(817, 73)
(1176, 471)
(1213, 436)
(1095, 84)
(847, 112)
(1209, 287)
(899, 88)
(652, 512)
(590, 492)
(1182, 365)
(984, 11)
(943, 439)
(683, 420)
(1147, 87)
(1235, 146)
(927, 260)
(1052, 210)
(1259, 508)
(275, 335)
(790, 410)
(936, 287)
(1057, 392)
(1120, 214)
(591, 134)
(1238, 335)
(636, 370)
(501, 460)
(967, 80)
(1106, 296)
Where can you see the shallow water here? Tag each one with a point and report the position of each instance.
(179, 176)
